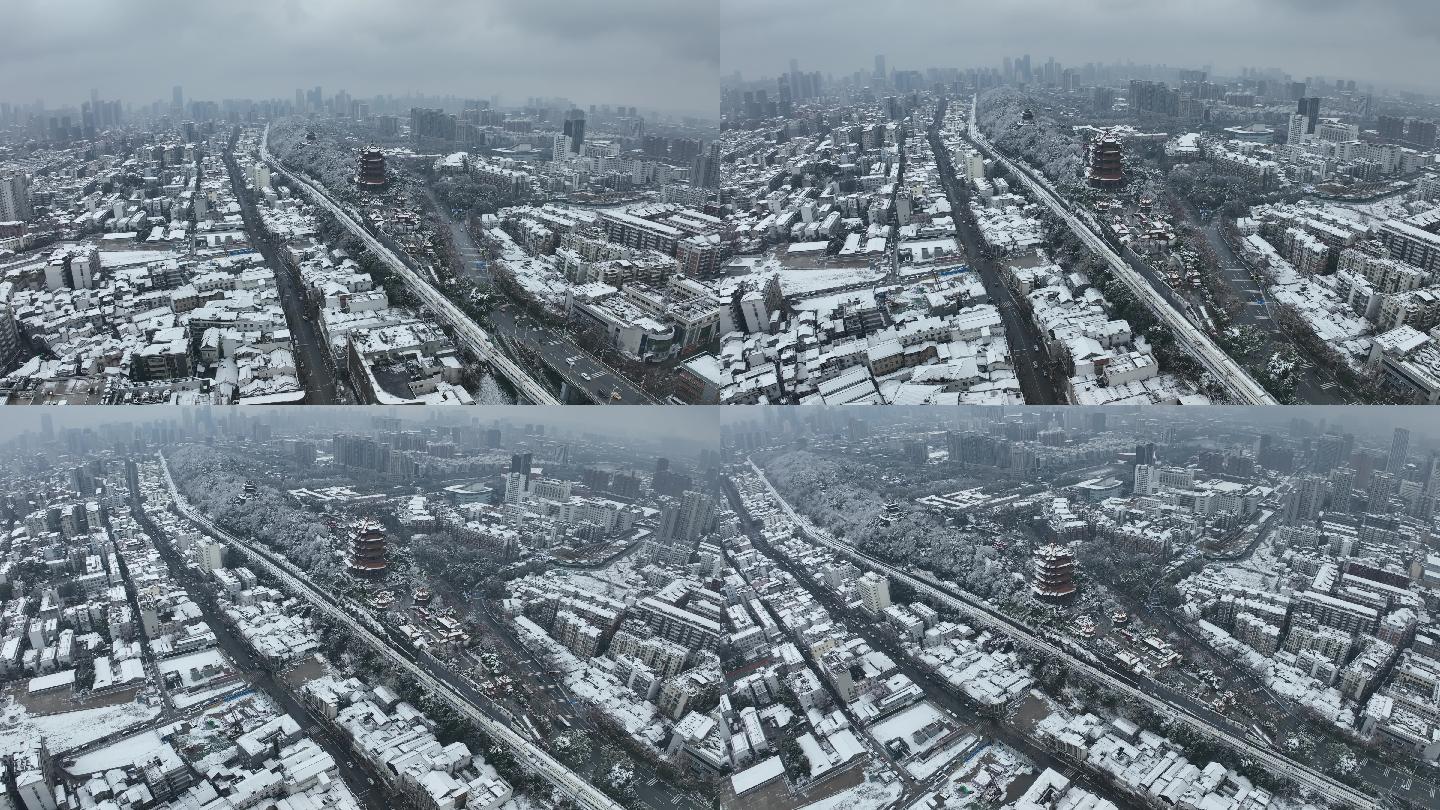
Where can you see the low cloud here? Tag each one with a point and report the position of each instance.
(1381, 42)
(653, 54)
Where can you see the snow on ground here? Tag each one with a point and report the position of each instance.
(117, 755)
(924, 769)
(795, 281)
(126, 258)
(200, 697)
(800, 280)
(518, 803)
(993, 765)
(864, 796)
(68, 730)
(824, 304)
(1256, 572)
(617, 580)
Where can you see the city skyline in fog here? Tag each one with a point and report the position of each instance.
(1320, 38)
(646, 422)
(1373, 421)
(631, 52)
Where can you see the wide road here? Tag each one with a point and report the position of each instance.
(587, 375)
(440, 682)
(1316, 384)
(1146, 692)
(258, 674)
(316, 364)
(1241, 387)
(1032, 368)
(467, 332)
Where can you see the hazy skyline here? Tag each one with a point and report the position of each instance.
(698, 423)
(1385, 42)
(1373, 421)
(652, 54)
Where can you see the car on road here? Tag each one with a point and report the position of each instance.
(570, 361)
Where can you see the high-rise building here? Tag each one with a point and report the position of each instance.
(1103, 99)
(916, 452)
(177, 97)
(521, 463)
(1328, 453)
(212, 554)
(132, 478)
(1146, 482)
(706, 170)
(15, 197)
(1399, 452)
(856, 429)
(1378, 491)
(1342, 486)
(874, 592)
(1306, 500)
(9, 338)
(683, 522)
(82, 481)
(1295, 131)
(1420, 133)
(517, 487)
(1145, 453)
(880, 66)
(1309, 106)
(574, 128)
(1390, 127)
(432, 128)
(1431, 481)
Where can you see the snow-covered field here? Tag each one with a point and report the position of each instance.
(127, 258)
(68, 730)
(802, 280)
(117, 755)
(795, 281)
(864, 796)
(617, 580)
(924, 769)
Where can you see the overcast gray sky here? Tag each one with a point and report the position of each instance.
(653, 54)
(1382, 41)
